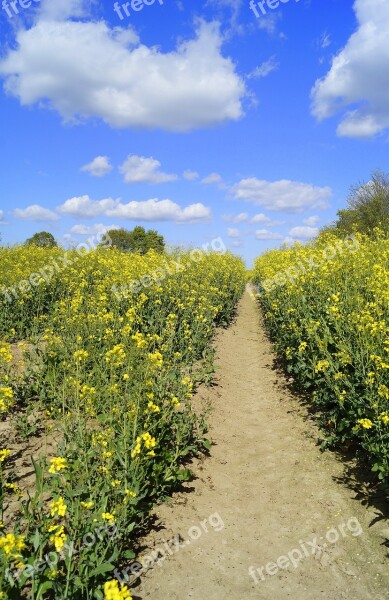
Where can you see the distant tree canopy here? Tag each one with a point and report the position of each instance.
(137, 240)
(368, 207)
(43, 239)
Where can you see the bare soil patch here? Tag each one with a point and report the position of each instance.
(275, 493)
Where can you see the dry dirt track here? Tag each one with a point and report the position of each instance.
(275, 492)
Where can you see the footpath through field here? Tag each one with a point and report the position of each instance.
(284, 510)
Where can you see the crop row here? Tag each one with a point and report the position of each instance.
(327, 308)
(109, 379)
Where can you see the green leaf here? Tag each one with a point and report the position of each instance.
(184, 475)
(36, 539)
(206, 443)
(47, 585)
(101, 569)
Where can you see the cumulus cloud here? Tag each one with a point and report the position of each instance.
(147, 210)
(240, 218)
(99, 166)
(85, 69)
(264, 69)
(311, 221)
(359, 76)
(260, 218)
(35, 212)
(83, 206)
(264, 234)
(212, 178)
(92, 229)
(304, 233)
(284, 195)
(139, 169)
(190, 175)
(232, 232)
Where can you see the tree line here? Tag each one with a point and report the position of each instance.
(138, 240)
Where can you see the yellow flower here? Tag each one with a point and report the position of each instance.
(113, 592)
(57, 464)
(130, 494)
(88, 505)
(106, 516)
(80, 355)
(59, 538)
(58, 507)
(116, 356)
(321, 366)
(384, 417)
(365, 423)
(148, 441)
(4, 454)
(12, 545)
(156, 359)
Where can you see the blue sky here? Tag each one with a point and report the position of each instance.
(198, 119)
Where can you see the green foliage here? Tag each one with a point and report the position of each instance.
(330, 326)
(43, 239)
(138, 240)
(111, 382)
(368, 207)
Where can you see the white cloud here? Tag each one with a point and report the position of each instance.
(34, 212)
(139, 169)
(212, 178)
(99, 166)
(264, 234)
(83, 206)
(190, 175)
(147, 210)
(1, 216)
(261, 218)
(269, 24)
(85, 69)
(359, 76)
(232, 232)
(161, 210)
(304, 233)
(63, 9)
(92, 229)
(311, 221)
(264, 69)
(325, 40)
(240, 218)
(284, 195)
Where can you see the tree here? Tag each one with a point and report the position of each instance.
(43, 239)
(368, 207)
(138, 240)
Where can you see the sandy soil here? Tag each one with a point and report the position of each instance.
(266, 498)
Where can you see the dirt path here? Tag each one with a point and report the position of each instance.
(273, 490)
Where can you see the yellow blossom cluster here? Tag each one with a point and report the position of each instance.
(326, 305)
